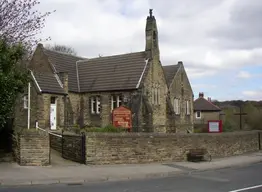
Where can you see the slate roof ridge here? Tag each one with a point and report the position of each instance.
(208, 102)
(110, 56)
(63, 53)
(212, 104)
(169, 72)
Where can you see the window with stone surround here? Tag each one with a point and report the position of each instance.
(116, 101)
(156, 95)
(177, 106)
(25, 100)
(95, 105)
(198, 114)
(187, 107)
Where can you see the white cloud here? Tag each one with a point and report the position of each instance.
(253, 94)
(203, 34)
(243, 74)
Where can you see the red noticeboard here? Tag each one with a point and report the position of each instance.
(122, 117)
(215, 126)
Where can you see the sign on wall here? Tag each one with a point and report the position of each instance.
(215, 126)
(122, 117)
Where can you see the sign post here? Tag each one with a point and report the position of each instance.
(122, 118)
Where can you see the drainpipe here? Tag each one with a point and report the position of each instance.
(29, 107)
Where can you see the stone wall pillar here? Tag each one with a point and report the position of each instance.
(106, 115)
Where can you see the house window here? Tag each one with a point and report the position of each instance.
(53, 99)
(95, 105)
(116, 101)
(25, 99)
(198, 114)
(187, 107)
(177, 106)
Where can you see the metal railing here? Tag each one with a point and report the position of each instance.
(37, 127)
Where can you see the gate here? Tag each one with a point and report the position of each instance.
(74, 147)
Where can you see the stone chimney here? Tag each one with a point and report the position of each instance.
(201, 95)
(64, 79)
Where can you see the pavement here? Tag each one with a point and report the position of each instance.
(235, 179)
(72, 173)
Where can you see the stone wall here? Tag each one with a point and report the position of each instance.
(181, 89)
(206, 116)
(126, 148)
(32, 148)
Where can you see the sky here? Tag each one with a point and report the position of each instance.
(219, 41)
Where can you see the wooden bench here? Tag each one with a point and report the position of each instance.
(197, 154)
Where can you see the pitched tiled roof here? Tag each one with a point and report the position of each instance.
(170, 71)
(201, 104)
(65, 63)
(118, 72)
(48, 83)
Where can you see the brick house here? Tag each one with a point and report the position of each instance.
(205, 110)
(68, 90)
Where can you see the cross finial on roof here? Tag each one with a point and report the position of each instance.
(150, 12)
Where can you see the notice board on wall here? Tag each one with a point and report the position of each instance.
(215, 126)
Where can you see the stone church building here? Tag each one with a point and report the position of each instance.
(67, 90)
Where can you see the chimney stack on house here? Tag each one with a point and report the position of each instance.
(209, 99)
(201, 95)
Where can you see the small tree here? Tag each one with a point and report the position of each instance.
(20, 22)
(13, 78)
(62, 48)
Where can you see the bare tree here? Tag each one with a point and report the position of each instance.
(20, 22)
(62, 48)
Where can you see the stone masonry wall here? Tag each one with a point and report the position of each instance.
(206, 116)
(130, 148)
(33, 148)
(181, 89)
(155, 79)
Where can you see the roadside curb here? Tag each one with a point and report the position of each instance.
(81, 181)
(225, 167)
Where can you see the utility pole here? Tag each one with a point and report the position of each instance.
(240, 116)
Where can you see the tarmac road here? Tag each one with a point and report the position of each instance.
(238, 179)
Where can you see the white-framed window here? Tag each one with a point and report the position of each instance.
(198, 114)
(187, 107)
(177, 106)
(116, 101)
(25, 100)
(95, 105)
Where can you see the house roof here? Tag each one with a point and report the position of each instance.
(118, 72)
(201, 104)
(170, 72)
(48, 83)
(63, 62)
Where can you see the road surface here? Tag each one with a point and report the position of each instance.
(246, 179)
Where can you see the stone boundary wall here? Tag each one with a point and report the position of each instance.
(128, 148)
(32, 148)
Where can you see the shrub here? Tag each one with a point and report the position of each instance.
(107, 129)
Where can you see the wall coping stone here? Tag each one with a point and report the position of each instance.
(164, 135)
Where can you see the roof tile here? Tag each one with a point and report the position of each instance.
(118, 72)
(201, 104)
(170, 72)
(48, 83)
